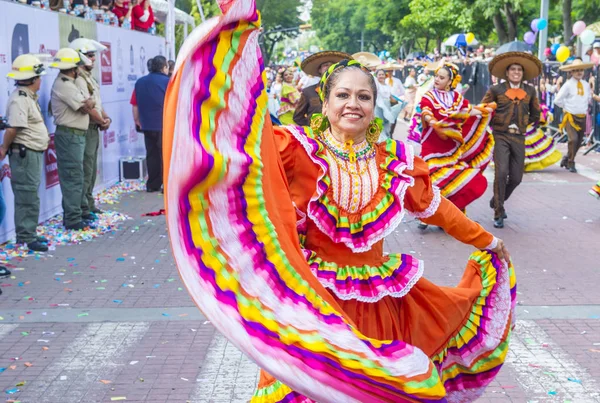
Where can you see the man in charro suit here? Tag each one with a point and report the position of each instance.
(517, 107)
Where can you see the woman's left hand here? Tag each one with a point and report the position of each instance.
(501, 251)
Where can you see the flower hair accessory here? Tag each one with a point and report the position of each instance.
(455, 78)
(341, 64)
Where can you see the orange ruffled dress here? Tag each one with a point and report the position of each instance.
(341, 227)
(279, 242)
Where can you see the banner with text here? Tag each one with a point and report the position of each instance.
(117, 70)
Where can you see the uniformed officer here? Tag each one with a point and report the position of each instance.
(70, 108)
(99, 120)
(25, 142)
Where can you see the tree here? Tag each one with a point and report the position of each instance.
(343, 24)
(438, 19)
(280, 19)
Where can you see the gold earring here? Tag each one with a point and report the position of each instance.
(318, 123)
(373, 131)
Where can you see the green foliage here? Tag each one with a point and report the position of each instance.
(340, 24)
(438, 19)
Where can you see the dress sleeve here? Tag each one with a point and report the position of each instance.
(286, 145)
(423, 200)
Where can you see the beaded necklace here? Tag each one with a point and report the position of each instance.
(348, 151)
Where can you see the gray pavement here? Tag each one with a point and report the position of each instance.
(110, 320)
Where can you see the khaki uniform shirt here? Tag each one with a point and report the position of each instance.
(88, 84)
(66, 100)
(23, 112)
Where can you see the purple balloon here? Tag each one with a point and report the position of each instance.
(529, 38)
(534, 24)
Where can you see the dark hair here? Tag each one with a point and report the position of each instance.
(158, 63)
(149, 65)
(333, 78)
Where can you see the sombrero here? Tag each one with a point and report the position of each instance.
(367, 59)
(576, 65)
(532, 67)
(311, 64)
(389, 66)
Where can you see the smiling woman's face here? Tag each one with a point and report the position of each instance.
(350, 104)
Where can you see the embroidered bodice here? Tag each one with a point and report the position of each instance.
(354, 180)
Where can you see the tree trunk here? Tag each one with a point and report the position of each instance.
(511, 21)
(427, 43)
(439, 44)
(500, 30)
(567, 21)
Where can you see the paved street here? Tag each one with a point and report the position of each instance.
(109, 320)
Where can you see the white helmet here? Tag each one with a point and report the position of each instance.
(25, 67)
(82, 45)
(65, 59)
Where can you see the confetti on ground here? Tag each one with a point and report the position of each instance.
(22, 383)
(104, 381)
(133, 362)
(83, 314)
(12, 391)
(28, 364)
(118, 398)
(568, 379)
(112, 194)
(56, 234)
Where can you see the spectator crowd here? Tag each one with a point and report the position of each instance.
(128, 14)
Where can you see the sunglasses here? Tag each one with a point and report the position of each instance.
(578, 71)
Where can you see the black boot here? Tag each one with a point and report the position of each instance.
(499, 222)
(37, 246)
(564, 163)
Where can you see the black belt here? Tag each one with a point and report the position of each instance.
(94, 126)
(70, 130)
(17, 146)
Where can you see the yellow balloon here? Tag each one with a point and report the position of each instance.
(470, 37)
(562, 54)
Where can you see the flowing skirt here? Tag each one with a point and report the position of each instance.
(595, 191)
(232, 226)
(460, 328)
(540, 150)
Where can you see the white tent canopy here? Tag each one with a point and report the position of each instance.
(165, 12)
(161, 10)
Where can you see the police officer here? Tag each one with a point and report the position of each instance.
(25, 142)
(70, 107)
(99, 120)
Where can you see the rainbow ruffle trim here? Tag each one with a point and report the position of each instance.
(362, 230)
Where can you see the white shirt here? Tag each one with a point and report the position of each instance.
(570, 101)
(410, 82)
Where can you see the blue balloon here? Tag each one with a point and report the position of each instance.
(554, 48)
(542, 24)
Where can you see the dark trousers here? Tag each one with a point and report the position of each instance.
(153, 141)
(26, 176)
(575, 139)
(70, 148)
(509, 163)
(90, 168)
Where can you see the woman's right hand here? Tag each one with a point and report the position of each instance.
(501, 251)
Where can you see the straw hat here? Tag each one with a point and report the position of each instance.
(367, 59)
(576, 65)
(389, 66)
(532, 67)
(311, 64)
